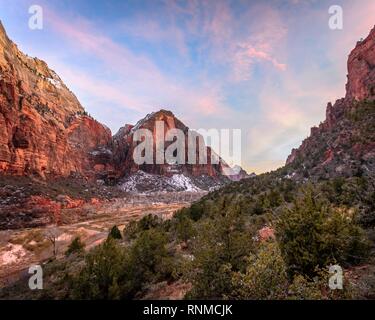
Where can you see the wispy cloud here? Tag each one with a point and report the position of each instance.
(136, 81)
(267, 67)
(234, 40)
(247, 55)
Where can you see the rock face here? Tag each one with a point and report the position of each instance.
(344, 143)
(43, 127)
(361, 68)
(179, 176)
(45, 132)
(124, 149)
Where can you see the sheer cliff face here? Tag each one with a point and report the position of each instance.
(344, 143)
(124, 149)
(361, 70)
(42, 127)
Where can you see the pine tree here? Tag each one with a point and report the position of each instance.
(115, 233)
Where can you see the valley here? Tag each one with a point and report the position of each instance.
(21, 248)
(109, 220)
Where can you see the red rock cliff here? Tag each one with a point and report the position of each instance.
(124, 148)
(361, 70)
(43, 130)
(344, 143)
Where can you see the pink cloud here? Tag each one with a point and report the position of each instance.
(236, 41)
(247, 55)
(101, 89)
(81, 33)
(139, 84)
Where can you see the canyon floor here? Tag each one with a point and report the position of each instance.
(21, 248)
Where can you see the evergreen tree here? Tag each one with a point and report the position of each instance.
(76, 247)
(98, 279)
(313, 235)
(115, 233)
(265, 276)
(219, 250)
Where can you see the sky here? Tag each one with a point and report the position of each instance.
(266, 67)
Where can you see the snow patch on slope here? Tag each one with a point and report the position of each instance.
(145, 182)
(181, 181)
(142, 121)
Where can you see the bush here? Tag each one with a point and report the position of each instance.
(303, 289)
(148, 222)
(76, 247)
(148, 261)
(131, 230)
(148, 254)
(311, 234)
(265, 276)
(219, 250)
(184, 228)
(114, 272)
(317, 288)
(98, 278)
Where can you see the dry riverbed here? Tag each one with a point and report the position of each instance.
(24, 247)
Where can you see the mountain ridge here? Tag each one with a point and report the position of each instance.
(45, 131)
(335, 146)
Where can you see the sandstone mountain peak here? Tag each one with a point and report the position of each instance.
(44, 131)
(161, 115)
(3, 34)
(164, 112)
(208, 174)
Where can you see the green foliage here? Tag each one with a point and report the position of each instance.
(258, 208)
(362, 111)
(184, 228)
(75, 247)
(368, 216)
(115, 233)
(311, 235)
(146, 261)
(148, 222)
(150, 257)
(265, 276)
(98, 279)
(303, 289)
(253, 196)
(115, 272)
(131, 230)
(274, 198)
(317, 288)
(219, 249)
